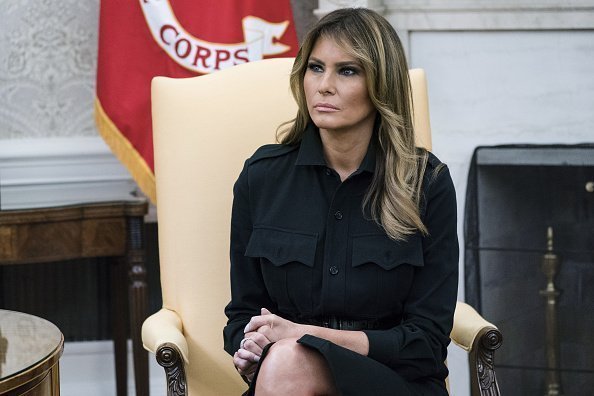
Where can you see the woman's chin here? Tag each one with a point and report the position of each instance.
(324, 123)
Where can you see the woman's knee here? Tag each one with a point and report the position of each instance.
(291, 368)
(285, 356)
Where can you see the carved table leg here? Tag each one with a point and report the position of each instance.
(138, 299)
(169, 357)
(119, 322)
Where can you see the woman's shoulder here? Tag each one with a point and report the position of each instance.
(437, 181)
(269, 151)
(436, 171)
(433, 163)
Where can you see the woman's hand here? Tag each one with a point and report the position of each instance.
(259, 332)
(273, 327)
(247, 357)
(246, 363)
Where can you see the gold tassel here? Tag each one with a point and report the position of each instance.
(126, 153)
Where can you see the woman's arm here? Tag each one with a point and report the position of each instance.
(276, 328)
(248, 292)
(418, 346)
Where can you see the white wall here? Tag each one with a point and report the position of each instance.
(488, 88)
(496, 87)
(50, 153)
(48, 53)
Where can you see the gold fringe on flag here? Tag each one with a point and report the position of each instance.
(126, 153)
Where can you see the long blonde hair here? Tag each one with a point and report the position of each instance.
(394, 194)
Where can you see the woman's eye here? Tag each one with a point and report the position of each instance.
(348, 71)
(314, 67)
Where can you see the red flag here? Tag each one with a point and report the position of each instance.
(177, 38)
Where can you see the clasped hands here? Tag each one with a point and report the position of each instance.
(260, 331)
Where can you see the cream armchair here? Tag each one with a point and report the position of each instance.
(204, 129)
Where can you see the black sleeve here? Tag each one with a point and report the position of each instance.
(248, 292)
(418, 346)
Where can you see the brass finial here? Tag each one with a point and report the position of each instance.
(549, 239)
(550, 266)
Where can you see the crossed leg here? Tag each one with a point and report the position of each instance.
(293, 369)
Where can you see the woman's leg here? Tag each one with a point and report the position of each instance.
(294, 369)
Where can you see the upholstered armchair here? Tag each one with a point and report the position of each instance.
(204, 129)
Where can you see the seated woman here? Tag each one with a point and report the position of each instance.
(344, 254)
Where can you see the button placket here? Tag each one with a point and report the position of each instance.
(335, 253)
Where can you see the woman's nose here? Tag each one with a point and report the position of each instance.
(327, 86)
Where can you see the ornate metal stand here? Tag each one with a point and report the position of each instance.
(550, 265)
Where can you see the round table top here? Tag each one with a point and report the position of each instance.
(27, 344)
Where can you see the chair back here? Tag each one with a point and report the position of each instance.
(204, 129)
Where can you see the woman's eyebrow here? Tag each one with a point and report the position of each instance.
(339, 64)
(348, 63)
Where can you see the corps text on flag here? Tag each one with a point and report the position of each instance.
(176, 38)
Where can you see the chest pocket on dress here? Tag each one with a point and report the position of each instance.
(286, 260)
(383, 271)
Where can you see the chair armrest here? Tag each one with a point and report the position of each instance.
(162, 334)
(480, 339)
(468, 324)
(164, 327)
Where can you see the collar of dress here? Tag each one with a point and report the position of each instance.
(312, 153)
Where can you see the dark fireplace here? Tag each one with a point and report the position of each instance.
(529, 263)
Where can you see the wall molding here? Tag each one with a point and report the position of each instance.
(488, 15)
(326, 6)
(487, 5)
(48, 172)
(409, 16)
(476, 14)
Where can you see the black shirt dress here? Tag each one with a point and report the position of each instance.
(303, 247)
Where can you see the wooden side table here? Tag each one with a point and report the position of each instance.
(114, 230)
(30, 348)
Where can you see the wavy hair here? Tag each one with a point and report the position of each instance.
(394, 194)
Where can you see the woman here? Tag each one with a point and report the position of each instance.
(344, 254)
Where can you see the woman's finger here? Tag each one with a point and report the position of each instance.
(264, 311)
(255, 323)
(249, 373)
(250, 344)
(248, 355)
(258, 321)
(244, 366)
(258, 338)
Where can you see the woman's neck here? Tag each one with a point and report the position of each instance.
(344, 150)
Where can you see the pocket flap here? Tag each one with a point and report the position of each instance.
(385, 252)
(282, 247)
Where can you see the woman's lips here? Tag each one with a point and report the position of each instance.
(325, 107)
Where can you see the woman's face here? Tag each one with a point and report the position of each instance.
(336, 89)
